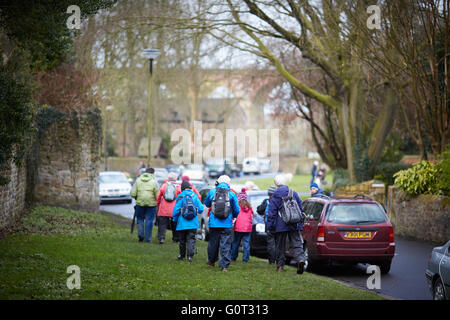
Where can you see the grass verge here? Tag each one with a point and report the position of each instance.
(34, 261)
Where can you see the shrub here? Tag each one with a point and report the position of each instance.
(422, 178)
(385, 171)
(444, 178)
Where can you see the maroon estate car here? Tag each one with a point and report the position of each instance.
(351, 229)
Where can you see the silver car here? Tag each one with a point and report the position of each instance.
(438, 272)
(114, 186)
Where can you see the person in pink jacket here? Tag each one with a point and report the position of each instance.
(242, 228)
(165, 207)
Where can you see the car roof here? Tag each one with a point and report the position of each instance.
(336, 200)
(111, 172)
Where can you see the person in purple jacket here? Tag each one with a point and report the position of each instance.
(282, 230)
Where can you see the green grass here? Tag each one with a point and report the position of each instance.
(34, 260)
(299, 183)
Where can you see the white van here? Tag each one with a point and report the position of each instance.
(251, 165)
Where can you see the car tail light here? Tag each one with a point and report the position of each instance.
(321, 234)
(391, 234)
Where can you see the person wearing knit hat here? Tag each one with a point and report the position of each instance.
(224, 204)
(242, 195)
(187, 226)
(262, 211)
(315, 190)
(165, 202)
(242, 228)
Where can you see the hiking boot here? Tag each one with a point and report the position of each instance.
(180, 258)
(141, 239)
(300, 267)
(211, 264)
(280, 269)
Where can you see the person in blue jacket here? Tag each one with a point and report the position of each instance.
(187, 228)
(220, 230)
(283, 230)
(315, 190)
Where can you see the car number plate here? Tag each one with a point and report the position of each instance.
(358, 235)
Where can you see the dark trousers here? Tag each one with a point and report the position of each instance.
(271, 249)
(220, 238)
(187, 238)
(175, 235)
(295, 245)
(163, 223)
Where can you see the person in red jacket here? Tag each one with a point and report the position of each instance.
(165, 202)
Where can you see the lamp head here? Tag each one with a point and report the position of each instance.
(150, 53)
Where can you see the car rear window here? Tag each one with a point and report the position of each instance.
(355, 213)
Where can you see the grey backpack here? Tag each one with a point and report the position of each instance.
(290, 212)
(171, 192)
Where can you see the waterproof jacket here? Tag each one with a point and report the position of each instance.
(165, 208)
(182, 223)
(222, 223)
(274, 221)
(244, 220)
(145, 190)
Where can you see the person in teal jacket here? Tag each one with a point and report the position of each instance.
(220, 230)
(187, 229)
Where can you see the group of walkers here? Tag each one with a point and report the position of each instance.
(230, 218)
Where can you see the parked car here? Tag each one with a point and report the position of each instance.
(177, 168)
(258, 240)
(114, 186)
(195, 172)
(199, 185)
(265, 165)
(438, 272)
(215, 167)
(251, 165)
(161, 174)
(351, 229)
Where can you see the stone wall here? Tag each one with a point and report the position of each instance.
(369, 188)
(425, 217)
(69, 161)
(12, 195)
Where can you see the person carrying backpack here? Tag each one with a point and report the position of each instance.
(224, 207)
(263, 210)
(285, 220)
(166, 200)
(145, 192)
(185, 215)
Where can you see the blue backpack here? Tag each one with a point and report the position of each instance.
(189, 211)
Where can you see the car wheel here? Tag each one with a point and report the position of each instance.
(385, 266)
(438, 290)
(310, 264)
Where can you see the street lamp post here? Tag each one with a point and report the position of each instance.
(150, 54)
(107, 109)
